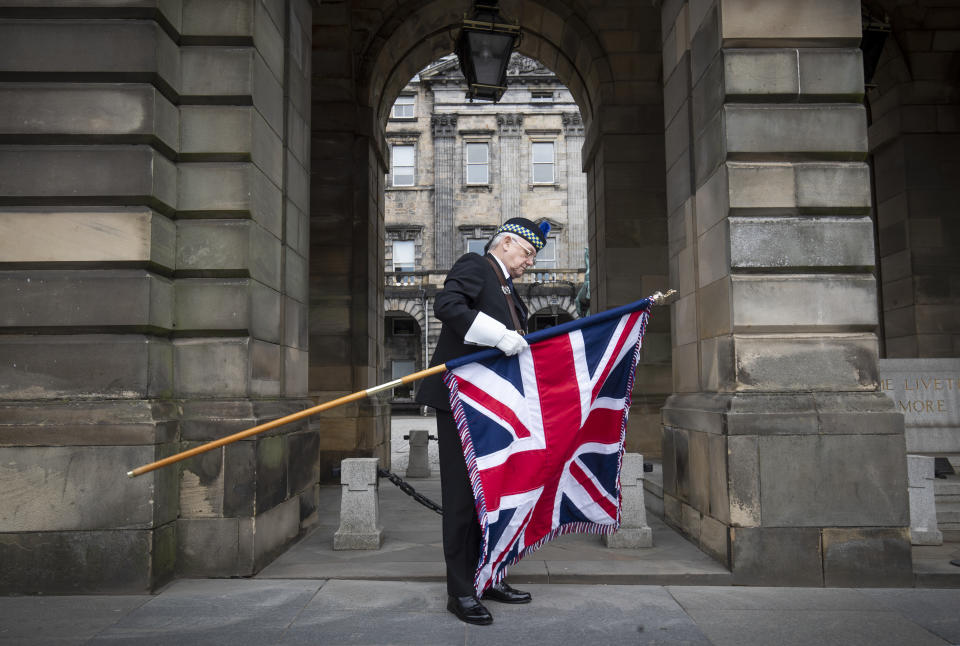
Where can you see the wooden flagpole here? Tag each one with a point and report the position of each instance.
(230, 439)
(657, 299)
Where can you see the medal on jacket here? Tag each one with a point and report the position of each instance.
(506, 289)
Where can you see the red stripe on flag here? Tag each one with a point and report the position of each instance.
(493, 405)
(588, 485)
(627, 328)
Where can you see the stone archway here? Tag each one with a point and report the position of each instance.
(708, 126)
(616, 79)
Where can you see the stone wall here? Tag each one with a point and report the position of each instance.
(781, 458)
(915, 142)
(153, 240)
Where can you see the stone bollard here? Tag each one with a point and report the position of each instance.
(634, 531)
(359, 506)
(418, 465)
(923, 512)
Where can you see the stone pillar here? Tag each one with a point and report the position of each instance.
(915, 145)
(418, 465)
(347, 237)
(510, 127)
(634, 531)
(626, 196)
(445, 175)
(572, 255)
(781, 458)
(923, 512)
(359, 506)
(153, 261)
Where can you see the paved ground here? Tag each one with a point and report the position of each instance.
(668, 594)
(238, 612)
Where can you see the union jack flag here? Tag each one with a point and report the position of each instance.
(543, 432)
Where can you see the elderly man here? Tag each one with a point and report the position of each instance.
(478, 307)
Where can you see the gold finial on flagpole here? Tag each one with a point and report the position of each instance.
(659, 298)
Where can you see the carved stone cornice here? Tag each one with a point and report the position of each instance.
(510, 124)
(572, 124)
(444, 125)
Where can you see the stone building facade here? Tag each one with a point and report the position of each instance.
(457, 171)
(192, 236)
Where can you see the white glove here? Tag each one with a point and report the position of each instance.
(511, 343)
(485, 330)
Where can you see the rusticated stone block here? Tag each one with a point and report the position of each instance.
(829, 362)
(843, 493)
(125, 297)
(116, 173)
(814, 22)
(713, 253)
(840, 186)
(767, 243)
(272, 531)
(714, 539)
(85, 365)
(761, 72)
(212, 367)
(139, 112)
(743, 467)
(78, 488)
(210, 547)
(88, 423)
(212, 304)
(93, 46)
(233, 71)
(803, 303)
(56, 235)
(229, 246)
(303, 458)
(271, 474)
(867, 557)
(837, 129)
(776, 556)
(831, 72)
(756, 186)
(237, 188)
(102, 562)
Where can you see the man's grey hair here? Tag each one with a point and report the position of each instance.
(496, 240)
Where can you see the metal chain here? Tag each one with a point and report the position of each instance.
(410, 491)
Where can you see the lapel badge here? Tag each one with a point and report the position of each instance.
(506, 290)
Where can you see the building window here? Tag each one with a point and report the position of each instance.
(402, 171)
(403, 107)
(403, 255)
(547, 257)
(402, 368)
(542, 156)
(478, 163)
(476, 246)
(541, 96)
(404, 326)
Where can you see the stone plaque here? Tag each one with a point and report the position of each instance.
(927, 392)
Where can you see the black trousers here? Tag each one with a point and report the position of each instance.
(461, 529)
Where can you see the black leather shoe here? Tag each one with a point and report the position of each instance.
(505, 594)
(469, 609)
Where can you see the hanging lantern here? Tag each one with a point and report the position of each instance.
(483, 48)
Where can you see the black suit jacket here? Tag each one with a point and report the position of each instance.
(471, 286)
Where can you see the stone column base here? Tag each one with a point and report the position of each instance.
(791, 488)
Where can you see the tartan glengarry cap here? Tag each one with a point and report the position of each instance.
(526, 229)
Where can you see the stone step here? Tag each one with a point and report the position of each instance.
(947, 500)
(949, 487)
(948, 514)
